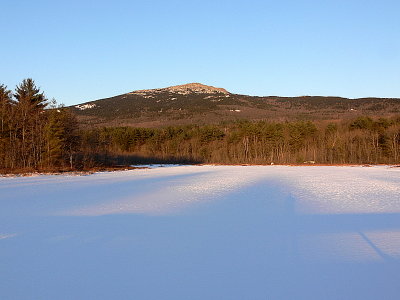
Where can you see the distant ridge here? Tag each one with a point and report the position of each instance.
(185, 89)
(196, 103)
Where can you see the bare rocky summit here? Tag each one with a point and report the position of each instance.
(185, 89)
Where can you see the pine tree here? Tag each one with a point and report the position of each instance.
(61, 136)
(28, 94)
(5, 114)
(5, 106)
(30, 104)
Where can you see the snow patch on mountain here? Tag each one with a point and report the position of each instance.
(85, 106)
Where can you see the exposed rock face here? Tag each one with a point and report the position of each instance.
(185, 89)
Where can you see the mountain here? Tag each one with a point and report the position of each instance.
(196, 103)
(185, 89)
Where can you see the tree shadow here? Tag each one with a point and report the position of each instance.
(247, 245)
(106, 159)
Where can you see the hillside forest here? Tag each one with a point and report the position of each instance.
(38, 135)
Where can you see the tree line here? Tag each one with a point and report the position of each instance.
(35, 134)
(360, 141)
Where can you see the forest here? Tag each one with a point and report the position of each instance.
(35, 134)
(38, 135)
(359, 141)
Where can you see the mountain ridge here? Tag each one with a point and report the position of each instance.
(196, 103)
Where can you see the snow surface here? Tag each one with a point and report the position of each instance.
(203, 232)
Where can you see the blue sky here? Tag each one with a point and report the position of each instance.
(78, 51)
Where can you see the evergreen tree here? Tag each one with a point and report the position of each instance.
(5, 106)
(5, 118)
(28, 94)
(62, 138)
(30, 104)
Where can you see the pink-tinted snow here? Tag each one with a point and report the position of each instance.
(203, 232)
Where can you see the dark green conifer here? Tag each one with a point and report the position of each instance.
(27, 93)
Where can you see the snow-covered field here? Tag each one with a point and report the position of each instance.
(203, 232)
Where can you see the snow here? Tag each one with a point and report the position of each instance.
(203, 232)
(85, 106)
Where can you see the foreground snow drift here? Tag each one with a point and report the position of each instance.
(203, 232)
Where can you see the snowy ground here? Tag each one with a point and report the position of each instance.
(203, 232)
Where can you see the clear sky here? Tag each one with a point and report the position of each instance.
(78, 51)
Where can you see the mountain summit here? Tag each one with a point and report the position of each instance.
(184, 89)
(196, 103)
